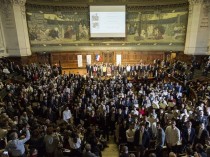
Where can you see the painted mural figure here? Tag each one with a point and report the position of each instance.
(83, 31)
(69, 32)
(54, 33)
(150, 32)
(158, 32)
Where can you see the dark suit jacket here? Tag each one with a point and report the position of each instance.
(88, 154)
(124, 155)
(202, 120)
(145, 138)
(203, 137)
(185, 136)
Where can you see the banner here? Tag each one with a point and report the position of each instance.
(88, 59)
(118, 59)
(79, 59)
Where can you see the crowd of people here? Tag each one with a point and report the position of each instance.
(142, 69)
(50, 114)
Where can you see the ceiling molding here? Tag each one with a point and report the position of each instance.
(105, 2)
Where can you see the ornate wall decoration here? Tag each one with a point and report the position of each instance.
(6, 6)
(66, 26)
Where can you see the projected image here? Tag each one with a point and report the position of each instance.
(95, 21)
(107, 21)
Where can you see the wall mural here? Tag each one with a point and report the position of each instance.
(66, 26)
(157, 27)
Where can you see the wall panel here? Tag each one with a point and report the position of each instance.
(69, 59)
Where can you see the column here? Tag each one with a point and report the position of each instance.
(198, 28)
(2, 41)
(15, 27)
(208, 48)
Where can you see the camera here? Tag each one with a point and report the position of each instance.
(5, 153)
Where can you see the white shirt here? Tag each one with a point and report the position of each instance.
(66, 115)
(74, 145)
(128, 68)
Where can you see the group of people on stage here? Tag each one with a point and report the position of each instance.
(131, 70)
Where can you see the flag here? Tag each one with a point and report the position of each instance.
(98, 58)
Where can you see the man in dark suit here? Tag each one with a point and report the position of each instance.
(141, 140)
(160, 140)
(202, 119)
(88, 152)
(124, 152)
(188, 135)
(202, 134)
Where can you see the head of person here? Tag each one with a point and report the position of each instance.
(142, 127)
(132, 155)
(125, 149)
(189, 151)
(189, 124)
(87, 147)
(201, 113)
(67, 108)
(152, 155)
(49, 131)
(172, 154)
(199, 147)
(158, 125)
(13, 136)
(173, 123)
(201, 126)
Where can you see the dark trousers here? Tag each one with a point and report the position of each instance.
(24, 155)
(158, 151)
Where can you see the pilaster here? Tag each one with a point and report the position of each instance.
(198, 28)
(15, 27)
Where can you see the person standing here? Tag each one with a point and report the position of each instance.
(67, 115)
(141, 140)
(188, 135)
(172, 136)
(130, 135)
(51, 142)
(16, 147)
(87, 152)
(160, 140)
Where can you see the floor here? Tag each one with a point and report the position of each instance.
(112, 150)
